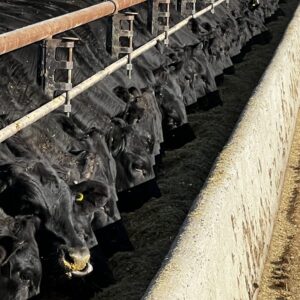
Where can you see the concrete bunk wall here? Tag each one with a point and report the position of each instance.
(220, 250)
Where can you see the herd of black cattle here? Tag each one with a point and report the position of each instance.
(61, 178)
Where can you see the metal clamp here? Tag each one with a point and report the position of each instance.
(120, 37)
(227, 3)
(187, 7)
(212, 6)
(50, 65)
(166, 39)
(159, 17)
(129, 66)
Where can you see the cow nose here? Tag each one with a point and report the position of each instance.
(76, 259)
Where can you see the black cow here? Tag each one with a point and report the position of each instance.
(94, 164)
(20, 266)
(112, 151)
(133, 157)
(86, 163)
(170, 99)
(33, 187)
(151, 120)
(91, 205)
(97, 172)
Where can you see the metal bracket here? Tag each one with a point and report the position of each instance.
(212, 6)
(159, 17)
(53, 66)
(187, 7)
(120, 37)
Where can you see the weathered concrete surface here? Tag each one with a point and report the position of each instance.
(220, 250)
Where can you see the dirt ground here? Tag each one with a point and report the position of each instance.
(281, 277)
(153, 227)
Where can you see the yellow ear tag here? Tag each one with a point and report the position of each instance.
(79, 197)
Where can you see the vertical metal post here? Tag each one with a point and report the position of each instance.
(152, 16)
(129, 62)
(67, 106)
(164, 15)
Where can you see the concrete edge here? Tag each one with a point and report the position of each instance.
(220, 250)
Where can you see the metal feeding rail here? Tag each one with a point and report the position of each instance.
(59, 101)
(33, 33)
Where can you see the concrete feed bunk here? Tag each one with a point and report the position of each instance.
(221, 248)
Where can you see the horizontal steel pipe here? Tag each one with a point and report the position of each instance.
(36, 32)
(39, 113)
(31, 118)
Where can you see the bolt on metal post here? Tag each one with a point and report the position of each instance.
(67, 106)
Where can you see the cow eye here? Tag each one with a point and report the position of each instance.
(79, 197)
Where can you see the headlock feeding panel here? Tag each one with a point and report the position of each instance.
(120, 37)
(158, 21)
(187, 7)
(159, 17)
(57, 65)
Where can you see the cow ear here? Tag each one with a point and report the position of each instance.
(79, 190)
(122, 93)
(116, 145)
(134, 91)
(115, 139)
(91, 191)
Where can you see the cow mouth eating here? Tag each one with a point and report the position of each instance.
(80, 273)
(76, 266)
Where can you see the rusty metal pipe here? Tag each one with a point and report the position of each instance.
(39, 31)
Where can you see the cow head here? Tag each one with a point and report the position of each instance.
(170, 98)
(98, 176)
(34, 188)
(20, 266)
(133, 160)
(90, 198)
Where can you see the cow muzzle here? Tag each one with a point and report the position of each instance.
(76, 262)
